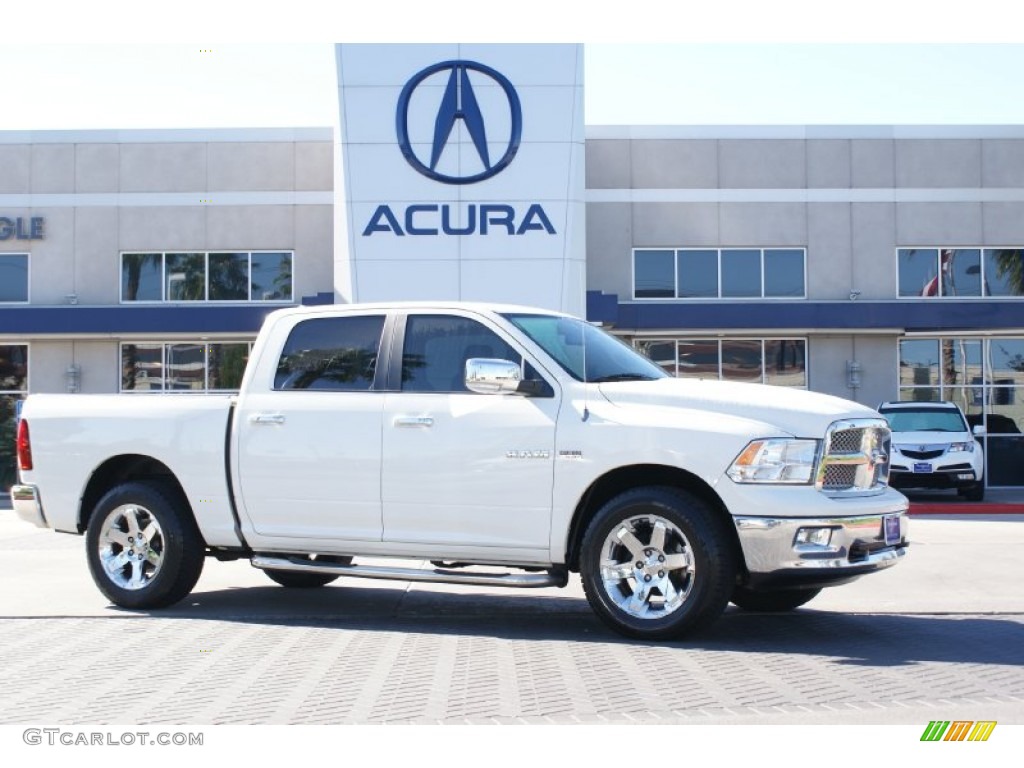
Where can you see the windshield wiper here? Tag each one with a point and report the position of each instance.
(622, 377)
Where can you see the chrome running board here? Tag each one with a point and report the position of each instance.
(552, 578)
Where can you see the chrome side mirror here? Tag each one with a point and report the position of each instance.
(487, 376)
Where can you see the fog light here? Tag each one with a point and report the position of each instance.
(967, 476)
(822, 537)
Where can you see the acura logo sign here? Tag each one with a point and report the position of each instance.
(459, 103)
(481, 102)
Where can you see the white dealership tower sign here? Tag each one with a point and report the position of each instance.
(459, 174)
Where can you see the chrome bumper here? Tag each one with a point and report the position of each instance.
(25, 499)
(857, 546)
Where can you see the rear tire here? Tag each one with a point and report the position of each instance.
(657, 563)
(307, 579)
(772, 602)
(143, 547)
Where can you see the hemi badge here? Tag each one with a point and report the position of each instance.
(570, 454)
(528, 455)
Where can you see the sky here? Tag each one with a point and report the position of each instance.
(68, 66)
(120, 85)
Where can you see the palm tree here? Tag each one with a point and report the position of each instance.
(229, 276)
(1009, 263)
(132, 267)
(8, 469)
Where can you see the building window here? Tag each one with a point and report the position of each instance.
(781, 362)
(183, 366)
(654, 274)
(13, 277)
(960, 272)
(13, 389)
(201, 276)
(719, 273)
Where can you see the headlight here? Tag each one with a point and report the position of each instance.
(962, 447)
(780, 460)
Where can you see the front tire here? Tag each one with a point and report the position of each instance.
(975, 492)
(772, 602)
(657, 563)
(143, 547)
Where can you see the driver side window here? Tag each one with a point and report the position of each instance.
(437, 347)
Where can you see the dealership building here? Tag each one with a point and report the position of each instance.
(869, 262)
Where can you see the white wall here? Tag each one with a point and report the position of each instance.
(535, 267)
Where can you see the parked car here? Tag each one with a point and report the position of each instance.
(935, 447)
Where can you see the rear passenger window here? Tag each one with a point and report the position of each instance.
(331, 353)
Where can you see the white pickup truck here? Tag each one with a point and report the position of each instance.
(505, 445)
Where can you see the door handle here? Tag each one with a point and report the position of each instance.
(414, 421)
(267, 418)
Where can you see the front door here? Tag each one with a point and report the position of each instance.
(459, 468)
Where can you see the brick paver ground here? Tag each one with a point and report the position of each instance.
(556, 666)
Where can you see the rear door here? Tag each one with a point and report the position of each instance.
(310, 439)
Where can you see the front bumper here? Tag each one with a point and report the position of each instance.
(776, 560)
(958, 476)
(27, 506)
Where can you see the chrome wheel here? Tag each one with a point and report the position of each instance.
(131, 546)
(657, 563)
(647, 567)
(143, 546)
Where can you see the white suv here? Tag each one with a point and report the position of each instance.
(934, 447)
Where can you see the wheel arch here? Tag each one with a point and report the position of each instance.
(121, 469)
(622, 479)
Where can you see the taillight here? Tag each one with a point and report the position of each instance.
(24, 446)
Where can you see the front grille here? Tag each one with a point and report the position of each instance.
(856, 457)
(933, 454)
(841, 476)
(846, 440)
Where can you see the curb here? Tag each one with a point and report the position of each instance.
(966, 509)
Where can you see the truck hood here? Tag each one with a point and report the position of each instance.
(795, 411)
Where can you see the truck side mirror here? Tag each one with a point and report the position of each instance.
(979, 429)
(487, 376)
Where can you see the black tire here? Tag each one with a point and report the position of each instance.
(639, 599)
(143, 547)
(303, 579)
(298, 579)
(975, 493)
(775, 601)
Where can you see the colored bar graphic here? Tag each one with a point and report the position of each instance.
(958, 730)
(982, 730)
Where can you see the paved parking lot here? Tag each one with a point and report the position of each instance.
(938, 637)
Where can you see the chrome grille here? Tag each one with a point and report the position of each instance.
(846, 441)
(840, 476)
(856, 457)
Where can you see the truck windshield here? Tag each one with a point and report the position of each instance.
(925, 420)
(570, 342)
